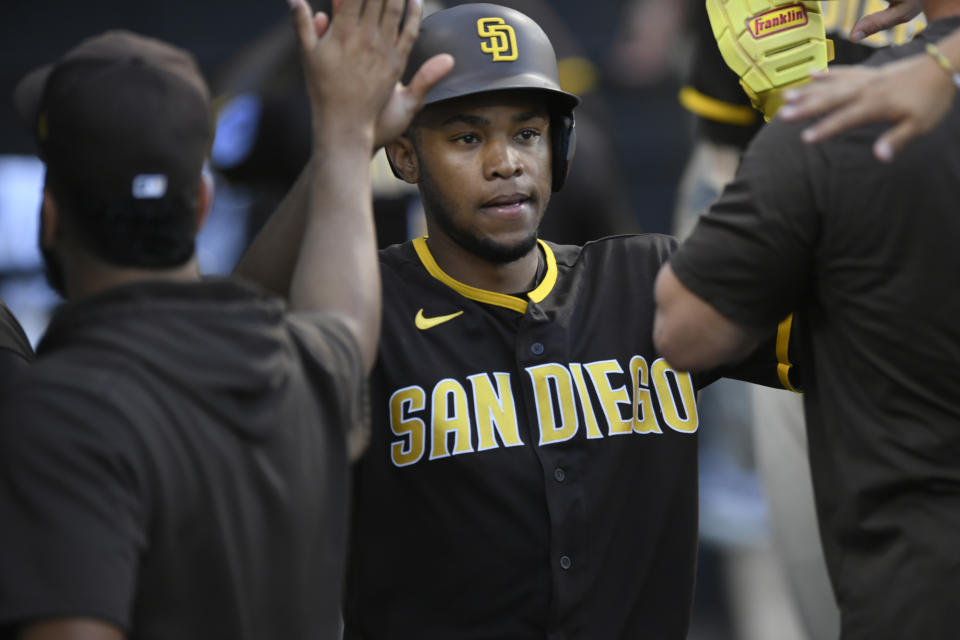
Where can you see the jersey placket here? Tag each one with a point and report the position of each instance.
(542, 342)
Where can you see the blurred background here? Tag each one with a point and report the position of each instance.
(628, 60)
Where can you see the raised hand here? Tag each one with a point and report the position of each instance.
(914, 94)
(353, 60)
(405, 101)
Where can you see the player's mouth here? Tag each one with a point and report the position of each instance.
(507, 206)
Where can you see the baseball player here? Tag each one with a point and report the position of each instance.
(15, 349)
(865, 252)
(174, 465)
(725, 123)
(532, 466)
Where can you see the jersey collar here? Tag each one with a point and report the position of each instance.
(516, 303)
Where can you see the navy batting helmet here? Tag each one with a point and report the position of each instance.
(497, 49)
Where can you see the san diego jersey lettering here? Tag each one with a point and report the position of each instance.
(533, 461)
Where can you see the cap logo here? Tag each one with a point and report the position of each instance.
(498, 39)
(149, 186)
(777, 21)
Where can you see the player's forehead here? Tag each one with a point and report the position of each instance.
(511, 105)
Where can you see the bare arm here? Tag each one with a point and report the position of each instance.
(690, 333)
(71, 629)
(914, 94)
(272, 257)
(320, 247)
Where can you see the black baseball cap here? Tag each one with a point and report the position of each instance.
(121, 118)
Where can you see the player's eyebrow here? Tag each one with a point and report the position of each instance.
(475, 121)
(529, 115)
(479, 121)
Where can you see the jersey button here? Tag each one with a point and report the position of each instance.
(565, 562)
(537, 348)
(559, 474)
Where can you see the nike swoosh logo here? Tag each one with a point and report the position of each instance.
(423, 323)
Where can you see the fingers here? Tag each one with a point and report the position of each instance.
(848, 117)
(818, 102)
(321, 22)
(411, 25)
(896, 13)
(827, 92)
(391, 19)
(429, 74)
(893, 141)
(303, 23)
(348, 8)
(371, 13)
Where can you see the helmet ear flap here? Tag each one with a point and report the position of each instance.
(564, 140)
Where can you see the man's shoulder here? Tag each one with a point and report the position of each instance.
(635, 246)
(397, 253)
(12, 336)
(55, 404)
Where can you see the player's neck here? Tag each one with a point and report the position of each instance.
(95, 277)
(465, 267)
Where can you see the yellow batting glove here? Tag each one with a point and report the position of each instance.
(771, 45)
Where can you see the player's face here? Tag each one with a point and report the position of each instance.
(485, 173)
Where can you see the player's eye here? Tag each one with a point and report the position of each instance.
(529, 135)
(466, 138)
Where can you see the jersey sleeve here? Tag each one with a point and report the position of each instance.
(776, 362)
(72, 519)
(750, 256)
(333, 355)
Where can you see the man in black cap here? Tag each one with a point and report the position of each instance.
(175, 463)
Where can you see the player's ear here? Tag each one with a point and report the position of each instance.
(204, 197)
(49, 219)
(403, 159)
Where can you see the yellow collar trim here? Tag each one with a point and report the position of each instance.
(490, 297)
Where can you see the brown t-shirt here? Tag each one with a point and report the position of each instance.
(175, 463)
(867, 255)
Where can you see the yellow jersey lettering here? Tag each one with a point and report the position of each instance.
(610, 398)
(412, 430)
(498, 39)
(644, 417)
(553, 430)
(669, 407)
(450, 416)
(494, 409)
(593, 429)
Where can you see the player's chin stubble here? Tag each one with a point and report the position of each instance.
(439, 209)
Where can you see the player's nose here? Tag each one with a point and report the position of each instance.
(501, 160)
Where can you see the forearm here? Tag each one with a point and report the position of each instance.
(336, 268)
(272, 256)
(690, 333)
